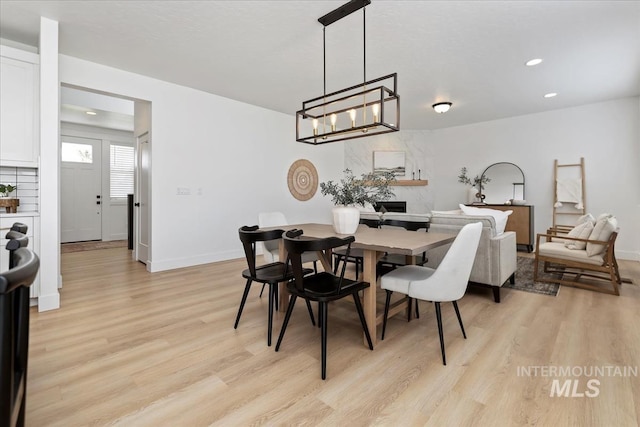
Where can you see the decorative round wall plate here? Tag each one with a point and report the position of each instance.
(302, 179)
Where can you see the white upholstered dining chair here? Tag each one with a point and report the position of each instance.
(446, 283)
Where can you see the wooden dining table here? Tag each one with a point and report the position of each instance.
(374, 242)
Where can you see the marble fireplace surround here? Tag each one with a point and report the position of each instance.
(418, 156)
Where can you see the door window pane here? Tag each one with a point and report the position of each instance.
(78, 153)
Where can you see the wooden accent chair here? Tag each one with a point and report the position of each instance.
(572, 265)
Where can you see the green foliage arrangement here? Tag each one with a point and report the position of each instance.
(477, 181)
(5, 189)
(351, 191)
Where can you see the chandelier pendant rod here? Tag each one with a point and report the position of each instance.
(364, 65)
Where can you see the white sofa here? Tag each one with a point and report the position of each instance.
(496, 259)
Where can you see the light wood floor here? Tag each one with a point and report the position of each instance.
(138, 349)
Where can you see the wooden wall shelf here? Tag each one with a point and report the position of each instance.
(410, 182)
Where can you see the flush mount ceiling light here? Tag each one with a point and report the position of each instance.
(550, 95)
(442, 107)
(532, 62)
(366, 109)
(91, 113)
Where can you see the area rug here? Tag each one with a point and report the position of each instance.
(90, 246)
(524, 279)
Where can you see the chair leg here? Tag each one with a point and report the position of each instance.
(319, 316)
(439, 319)
(356, 299)
(409, 308)
(496, 293)
(417, 309)
(272, 294)
(313, 320)
(455, 305)
(276, 294)
(315, 267)
(244, 299)
(262, 290)
(512, 278)
(323, 334)
(357, 268)
(386, 312)
(287, 316)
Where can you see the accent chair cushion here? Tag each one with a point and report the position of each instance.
(605, 225)
(500, 217)
(580, 231)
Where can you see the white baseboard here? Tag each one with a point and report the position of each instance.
(49, 302)
(172, 264)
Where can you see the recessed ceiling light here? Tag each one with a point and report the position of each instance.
(91, 113)
(442, 107)
(532, 62)
(550, 95)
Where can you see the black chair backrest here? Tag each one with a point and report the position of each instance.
(371, 223)
(14, 335)
(249, 235)
(23, 273)
(296, 244)
(17, 240)
(19, 227)
(407, 225)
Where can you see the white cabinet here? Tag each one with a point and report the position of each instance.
(33, 232)
(19, 112)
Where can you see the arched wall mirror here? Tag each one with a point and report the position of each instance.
(507, 182)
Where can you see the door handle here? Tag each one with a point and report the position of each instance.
(98, 202)
(136, 204)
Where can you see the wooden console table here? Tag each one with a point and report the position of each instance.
(11, 205)
(520, 221)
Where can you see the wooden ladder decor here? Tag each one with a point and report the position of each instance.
(562, 171)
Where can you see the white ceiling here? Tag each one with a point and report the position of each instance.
(269, 53)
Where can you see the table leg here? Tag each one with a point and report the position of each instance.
(369, 303)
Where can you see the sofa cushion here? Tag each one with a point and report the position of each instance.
(605, 225)
(580, 231)
(500, 217)
(558, 250)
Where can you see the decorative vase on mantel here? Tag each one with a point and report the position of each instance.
(345, 219)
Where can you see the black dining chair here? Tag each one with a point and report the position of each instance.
(271, 274)
(322, 287)
(14, 328)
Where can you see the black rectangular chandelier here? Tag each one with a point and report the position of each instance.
(366, 109)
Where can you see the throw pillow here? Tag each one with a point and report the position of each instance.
(500, 217)
(580, 231)
(584, 218)
(605, 225)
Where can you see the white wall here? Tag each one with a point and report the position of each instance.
(237, 154)
(606, 134)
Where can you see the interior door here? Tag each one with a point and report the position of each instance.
(80, 193)
(141, 202)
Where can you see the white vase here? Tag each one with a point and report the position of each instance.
(471, 195)
(345, 219)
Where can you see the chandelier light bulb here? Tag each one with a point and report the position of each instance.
(375, 109)
(352, 115)
(334, 118)
(315, 126)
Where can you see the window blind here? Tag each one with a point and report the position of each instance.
(121, 171)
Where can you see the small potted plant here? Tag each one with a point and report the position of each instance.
(351, 192)
(6, 189)
(477, 185)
